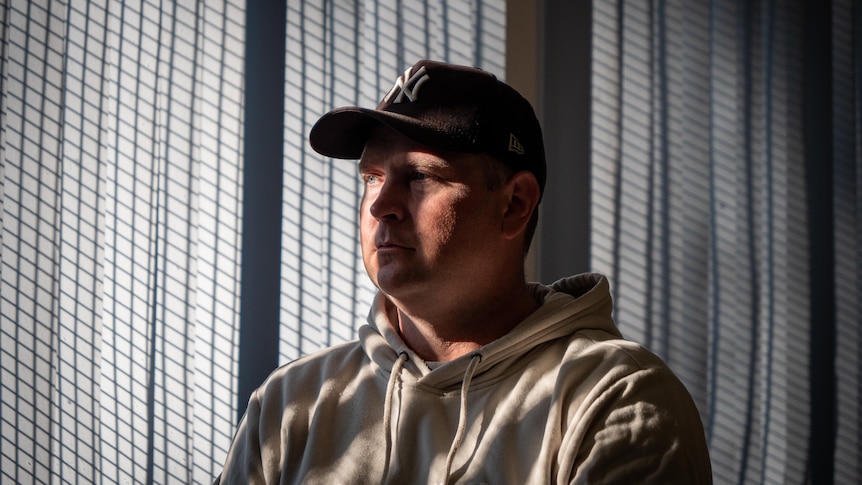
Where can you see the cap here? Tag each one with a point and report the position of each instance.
(445, 106)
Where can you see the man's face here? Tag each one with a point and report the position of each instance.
(429, 225)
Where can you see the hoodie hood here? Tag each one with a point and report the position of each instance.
(570, 305)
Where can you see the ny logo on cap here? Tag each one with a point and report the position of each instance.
(408, 85)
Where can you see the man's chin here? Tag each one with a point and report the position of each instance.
(397, 284)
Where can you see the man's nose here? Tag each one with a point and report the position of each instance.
(388, 201)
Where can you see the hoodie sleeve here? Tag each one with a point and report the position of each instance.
(643, 428)
(243, 463)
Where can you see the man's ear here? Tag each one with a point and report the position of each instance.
(522, 191)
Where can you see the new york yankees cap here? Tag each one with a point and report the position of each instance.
(444, 106)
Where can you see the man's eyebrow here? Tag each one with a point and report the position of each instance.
(433, 162)
(430, 161)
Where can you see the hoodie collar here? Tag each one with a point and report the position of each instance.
(569, 305)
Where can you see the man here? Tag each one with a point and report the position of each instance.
(465, 373)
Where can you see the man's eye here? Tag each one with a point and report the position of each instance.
(420, 176)
(370, 179)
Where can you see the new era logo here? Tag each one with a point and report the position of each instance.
(515, 145)
(407, 85)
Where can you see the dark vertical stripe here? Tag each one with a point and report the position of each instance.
(159, 170)
(714, 273)
(478, 32)
(768, 36)
(426, 25)
(399, 32)
(818, 164)
(445, 34)
(329, 98)
(748, 20)
(564, 245)
(262, 193)
(663, 106)
(618, 147)
(303, 184)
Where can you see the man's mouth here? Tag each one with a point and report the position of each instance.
(391, 246)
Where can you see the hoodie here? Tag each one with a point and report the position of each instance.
(561, 398)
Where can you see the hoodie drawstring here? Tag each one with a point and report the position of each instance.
(394, 377)
(462, 418)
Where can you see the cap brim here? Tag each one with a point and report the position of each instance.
(342, 133)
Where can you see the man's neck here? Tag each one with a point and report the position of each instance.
(441, 334)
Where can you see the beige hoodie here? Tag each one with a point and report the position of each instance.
(560, 399)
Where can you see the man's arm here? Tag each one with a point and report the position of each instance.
(644, 428)
(243, 464)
